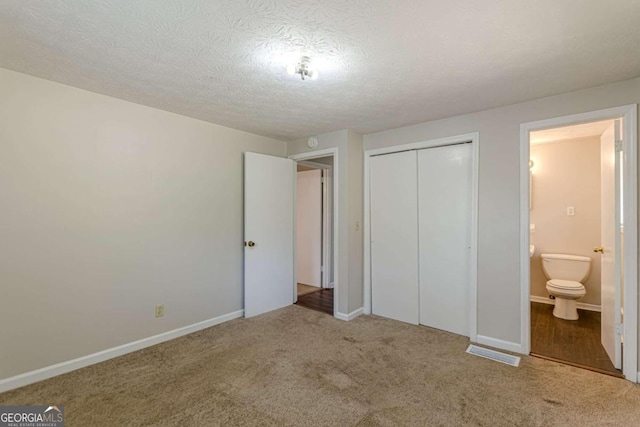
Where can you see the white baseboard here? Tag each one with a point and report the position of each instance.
(580, 305)
(91, 359)
(503, 345)
(349, 316)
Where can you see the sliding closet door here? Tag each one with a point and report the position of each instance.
(394, 236)
(444, 194)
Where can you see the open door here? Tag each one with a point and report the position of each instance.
(268, 233)
(611, 254)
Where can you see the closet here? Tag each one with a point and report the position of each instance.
(420, 207)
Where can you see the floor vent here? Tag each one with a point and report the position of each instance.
(494, 355)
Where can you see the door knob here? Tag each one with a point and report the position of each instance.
(251, 243)
(598, 249)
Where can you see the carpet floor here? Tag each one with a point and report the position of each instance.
(298, 367)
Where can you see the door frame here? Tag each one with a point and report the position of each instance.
(474, 138)
(329, 152)
(327, 204)
(629, 115)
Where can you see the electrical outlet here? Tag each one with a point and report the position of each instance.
(571, 211)
(159, 310)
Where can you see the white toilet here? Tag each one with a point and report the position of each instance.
(566, 272)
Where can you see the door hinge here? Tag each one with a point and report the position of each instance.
(322, 269)
(619, 329)
(619, 146)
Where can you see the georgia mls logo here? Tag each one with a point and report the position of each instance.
(53, 408)
(32, 416)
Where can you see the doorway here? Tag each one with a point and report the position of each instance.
(578, 227)
(314, 281)
(270, 278)
(574, 198)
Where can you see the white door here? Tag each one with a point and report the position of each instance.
(444, 194)
(309, 227)
(394, 236)
(610, 242)
(268, 233)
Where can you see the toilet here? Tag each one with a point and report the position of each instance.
(566, 274)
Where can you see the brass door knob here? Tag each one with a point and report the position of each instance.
(251, 243)
(598, 249)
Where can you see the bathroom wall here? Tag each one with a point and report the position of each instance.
(566, 173)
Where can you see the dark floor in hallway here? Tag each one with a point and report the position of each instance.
(576, 342)
(321, 300)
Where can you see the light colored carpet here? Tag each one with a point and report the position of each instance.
(298, 367)
(306, 289)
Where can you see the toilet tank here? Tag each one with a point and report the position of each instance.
(566, 267)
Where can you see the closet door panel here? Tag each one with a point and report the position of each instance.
(394, 236)
(444, 199)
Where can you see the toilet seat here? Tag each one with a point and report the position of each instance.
(565, 284)
(566, 287)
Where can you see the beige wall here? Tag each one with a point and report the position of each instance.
(350, 199)
(566, 173)
(109, 208)
(499, 192)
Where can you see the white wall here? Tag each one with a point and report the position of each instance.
(350, 199)
(566, 173)
(109, 208)
(499, 195)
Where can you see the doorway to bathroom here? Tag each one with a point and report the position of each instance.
(314, 281)
(581, 225)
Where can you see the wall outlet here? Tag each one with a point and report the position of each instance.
(571, 211)
(159, 310)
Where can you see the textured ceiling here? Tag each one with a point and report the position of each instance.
(382, 63)
(570, 132)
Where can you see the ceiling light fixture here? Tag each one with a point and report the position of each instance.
(303, 68)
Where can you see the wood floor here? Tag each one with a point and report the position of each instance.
(321, 300)
(306, 289)
(576, 342)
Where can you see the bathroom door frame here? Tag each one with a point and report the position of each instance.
(629, 116)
